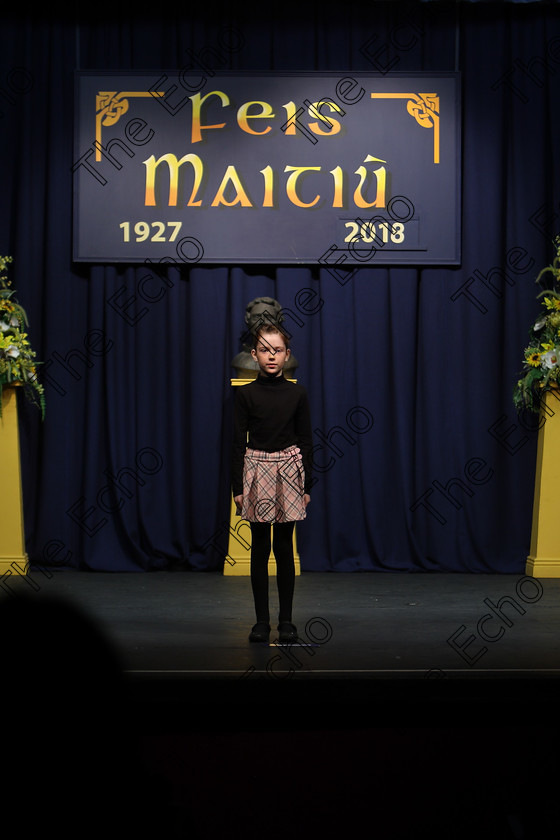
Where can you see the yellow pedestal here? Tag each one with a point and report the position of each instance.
(238, 560)
(544, 559)
(12, 539)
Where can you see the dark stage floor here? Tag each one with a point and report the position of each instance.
(351, 625)
(361, 634)
(382, 723)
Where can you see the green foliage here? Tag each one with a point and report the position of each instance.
(17, 358)
(541, 365)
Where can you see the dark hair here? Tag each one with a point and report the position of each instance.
(267, 329)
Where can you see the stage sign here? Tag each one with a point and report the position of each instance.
(345, 169)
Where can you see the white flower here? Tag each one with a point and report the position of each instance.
(4, 326)
(12, 351)
(550, 359)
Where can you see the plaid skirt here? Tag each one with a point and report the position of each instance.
(273, 486)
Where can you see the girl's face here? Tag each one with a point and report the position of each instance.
(271, 354)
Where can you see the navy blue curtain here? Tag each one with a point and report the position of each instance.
(423, 464)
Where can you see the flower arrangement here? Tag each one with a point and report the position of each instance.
(17, 359)
(541, 366)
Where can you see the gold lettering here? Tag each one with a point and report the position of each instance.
(338, 177)
(292, 184)
(243, 116)
(381, 181)
(291, 121)
(241, 196)
(173, 164)
(335, 125)
(268, 174)
(197, 102)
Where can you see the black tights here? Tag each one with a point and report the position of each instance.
(285, 572)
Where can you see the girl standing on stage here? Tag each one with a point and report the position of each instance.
(271, 475)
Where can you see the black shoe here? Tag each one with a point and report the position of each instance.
(260, 632)
(287, 633)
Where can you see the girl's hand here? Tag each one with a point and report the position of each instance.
(306, 499)
(238, 502)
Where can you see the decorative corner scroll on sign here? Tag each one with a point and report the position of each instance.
(424, 107)
(110, 107)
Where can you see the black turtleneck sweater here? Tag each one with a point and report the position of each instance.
(275, 413)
